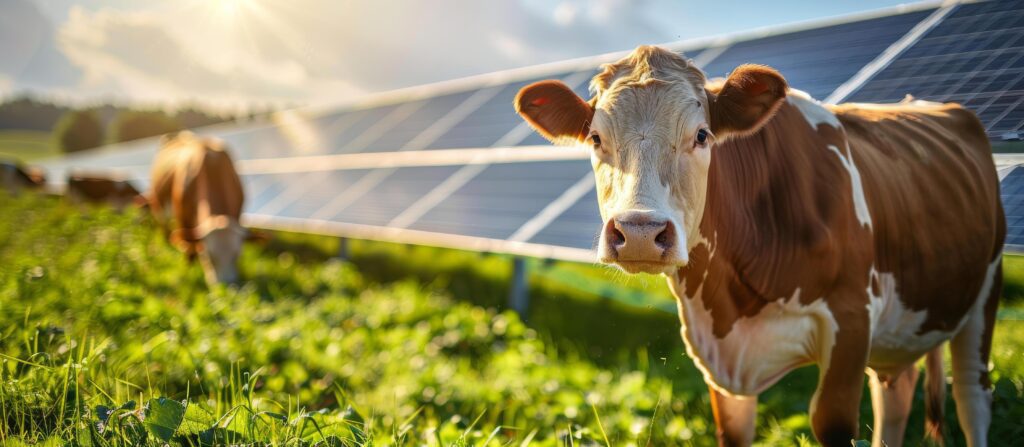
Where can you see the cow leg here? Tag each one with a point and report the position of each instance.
(891, 399)
(835, 408)
(735, 418)
(934, 395)
(970, 348)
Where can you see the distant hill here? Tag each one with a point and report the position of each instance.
(28, 113)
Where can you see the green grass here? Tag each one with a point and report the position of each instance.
(27, 145)
(100, 319)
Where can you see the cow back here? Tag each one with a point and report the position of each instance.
(933, 194)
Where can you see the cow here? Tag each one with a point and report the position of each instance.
(858, 237)
(197, 197)
(98, 188)
(15, 177)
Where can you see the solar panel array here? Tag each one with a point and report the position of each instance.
(975, 56)
(541, 206)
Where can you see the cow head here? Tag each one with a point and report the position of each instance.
(217, 242)
(653, 122)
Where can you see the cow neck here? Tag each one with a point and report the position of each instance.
(765, 220)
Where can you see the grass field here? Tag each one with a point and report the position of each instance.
(108, 337)
(26, 145)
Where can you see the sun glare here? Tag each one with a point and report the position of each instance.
(230, 8)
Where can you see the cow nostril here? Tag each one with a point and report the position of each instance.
(666, 238)
(615, 237)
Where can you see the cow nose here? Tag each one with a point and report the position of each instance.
(639, 236)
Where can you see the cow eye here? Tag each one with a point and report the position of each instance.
(702, 136)
(596, 139)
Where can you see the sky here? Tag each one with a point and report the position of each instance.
(241, 53)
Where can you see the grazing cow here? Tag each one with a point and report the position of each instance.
(98, 188)
(791, 232)
(14, 177)
(194, 183)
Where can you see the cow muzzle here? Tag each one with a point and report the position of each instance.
(641, 242)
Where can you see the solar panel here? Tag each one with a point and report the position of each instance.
(577, 227)
(309, 193)
(975, 56)
(1012, 190)
(487, 124)
(495, 203)
(262, 188)
(362, 121)
(819, 60)
(392, 195)
(256, 142)
(415, 122)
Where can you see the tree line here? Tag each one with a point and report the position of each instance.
(79, 128)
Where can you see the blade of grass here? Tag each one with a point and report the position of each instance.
(601, 426)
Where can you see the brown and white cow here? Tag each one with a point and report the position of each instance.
(852, 236)
(83, 187)
(197, 197)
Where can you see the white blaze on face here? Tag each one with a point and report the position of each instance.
(648, 161)
(221, 247)
(816, 114)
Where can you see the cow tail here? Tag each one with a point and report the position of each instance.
(934, 395)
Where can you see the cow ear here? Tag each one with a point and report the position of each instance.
(555, 111)
(747, 99)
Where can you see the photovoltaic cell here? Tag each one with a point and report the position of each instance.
(502, 198)
(394, 194)
(975, 57)
(819, 60)
(577, 227)
(317, 191)
(495, 118)
(340, 142)
(487, 124)
(265, 141)
(261, 188)
(1012, 190)
(418, 121)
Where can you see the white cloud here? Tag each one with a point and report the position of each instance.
(565, 13)
(308, 51)
(28, 56)
(6, 86)
(136, 56)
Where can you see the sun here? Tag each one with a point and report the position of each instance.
(230, 8)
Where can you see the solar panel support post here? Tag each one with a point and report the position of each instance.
(343, 249)
(519, 297)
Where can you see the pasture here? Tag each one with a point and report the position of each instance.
(108, 337)
(26, 145)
